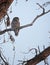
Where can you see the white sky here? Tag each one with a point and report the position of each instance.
(29, 37)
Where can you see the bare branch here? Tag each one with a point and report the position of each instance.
(6, 30)
(40, 57)
(41, 7)
(31, 50)
(46, 3)
(38, 16)
(6, 63)
(27, 25)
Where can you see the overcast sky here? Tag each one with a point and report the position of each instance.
(31, 37)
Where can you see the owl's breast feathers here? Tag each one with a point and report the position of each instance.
(15, 24)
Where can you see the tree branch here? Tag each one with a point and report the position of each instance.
(6, 63)
(40, 57)
(27, 25)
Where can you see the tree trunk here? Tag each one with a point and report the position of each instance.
(4, 5)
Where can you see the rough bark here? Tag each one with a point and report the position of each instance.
(4, 5)
(40, 57)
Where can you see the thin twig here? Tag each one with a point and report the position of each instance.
(41, 7)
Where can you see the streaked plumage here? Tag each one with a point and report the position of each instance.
(15, 23)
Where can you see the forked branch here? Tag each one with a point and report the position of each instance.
(27, 25)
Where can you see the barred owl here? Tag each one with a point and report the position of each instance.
(14, 24)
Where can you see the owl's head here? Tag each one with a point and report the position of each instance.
(16, 18)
